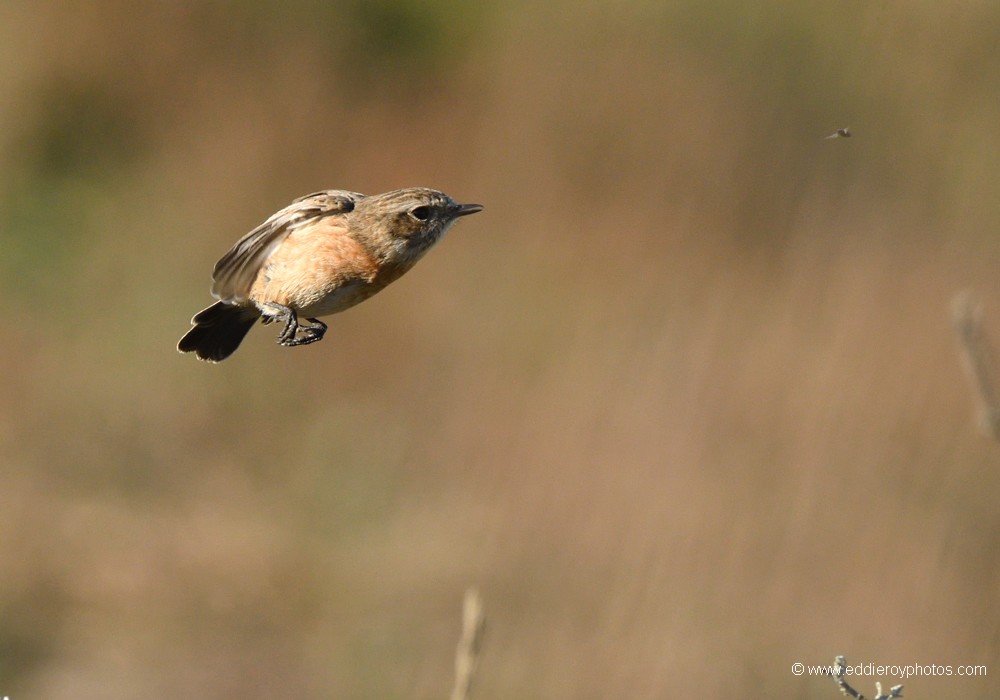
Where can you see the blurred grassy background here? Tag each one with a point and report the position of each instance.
(683, 401)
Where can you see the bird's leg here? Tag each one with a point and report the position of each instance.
(290, 335)
(309, 333)
(279, 312)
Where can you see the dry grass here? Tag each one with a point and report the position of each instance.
(979, 359)
(467, 654)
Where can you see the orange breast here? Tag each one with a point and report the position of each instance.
(320, 270)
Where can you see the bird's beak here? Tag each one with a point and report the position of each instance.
(466, 209)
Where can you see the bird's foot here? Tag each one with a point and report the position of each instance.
(294, 333)
(306, 334)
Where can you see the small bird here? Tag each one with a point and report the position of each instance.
(320, 255)
(844, 133)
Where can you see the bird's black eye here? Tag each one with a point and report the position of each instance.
(421, 213)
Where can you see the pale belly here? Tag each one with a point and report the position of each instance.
(342, 298)
(314, 298)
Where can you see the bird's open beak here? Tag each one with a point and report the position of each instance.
(466, 209)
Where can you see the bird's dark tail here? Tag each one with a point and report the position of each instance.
(218, 331)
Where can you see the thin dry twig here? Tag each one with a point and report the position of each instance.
(979, 360)
(840, 669)
(467, 654)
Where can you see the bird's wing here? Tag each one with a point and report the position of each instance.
(237, 270)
